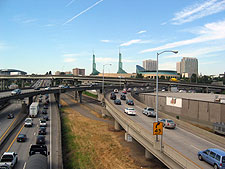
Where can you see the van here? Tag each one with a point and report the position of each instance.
(213, 156)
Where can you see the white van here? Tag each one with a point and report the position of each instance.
(34, 109)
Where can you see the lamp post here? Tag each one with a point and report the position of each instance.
(157, 81)
(103, 78)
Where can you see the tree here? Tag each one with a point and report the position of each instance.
(162, 77)
(194, 78)
(46, 73)
(139, 76)
(50, 72)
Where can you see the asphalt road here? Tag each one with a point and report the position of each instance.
(183, 141)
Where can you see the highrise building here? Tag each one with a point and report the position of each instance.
(178, 67)
(189, 66)
(79, 72)
(150, 65)
(94, 70)
(120, 66)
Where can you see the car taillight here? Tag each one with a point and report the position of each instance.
(168, 124)
(221, 164)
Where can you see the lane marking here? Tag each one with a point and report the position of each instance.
(195, 148)
(24, 165)
(14, 139)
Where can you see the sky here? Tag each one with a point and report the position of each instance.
(37, 36)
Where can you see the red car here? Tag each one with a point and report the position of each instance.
(124, 92)
(21, 138)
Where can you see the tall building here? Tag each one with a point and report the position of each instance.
(120, 66)
(178, 67)
(79, 72)
(94, 70)
(189, 66)
(150, 65)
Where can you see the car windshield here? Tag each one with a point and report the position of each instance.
(131, 109)
(223, 159)
(20, 136)
(150, 109)
(170, 121)
(28, 120)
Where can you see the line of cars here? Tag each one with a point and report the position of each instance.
(9, 159)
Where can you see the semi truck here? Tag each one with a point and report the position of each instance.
(34, 109)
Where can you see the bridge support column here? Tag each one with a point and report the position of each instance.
(80, 96)
(57, 97)
(54, 82)
(22, 84)
(148, 155)
(117, 125)
(75, 95)
(128, 137)
(30, 100)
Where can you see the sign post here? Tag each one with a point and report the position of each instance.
(158, 130)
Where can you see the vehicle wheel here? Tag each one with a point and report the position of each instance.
(215, 166)
(200, 157)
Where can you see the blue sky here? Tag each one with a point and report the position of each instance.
(42, 35)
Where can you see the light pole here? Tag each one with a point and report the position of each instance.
(157, 81)
(103, 78)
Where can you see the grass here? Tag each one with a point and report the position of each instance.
(73, 156)
(90, 94)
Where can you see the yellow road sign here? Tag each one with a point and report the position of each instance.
(157, 128)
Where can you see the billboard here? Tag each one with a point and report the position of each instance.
(173, 101)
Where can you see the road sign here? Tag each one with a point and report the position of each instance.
(157, 128)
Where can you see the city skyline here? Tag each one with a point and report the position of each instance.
(62, 35)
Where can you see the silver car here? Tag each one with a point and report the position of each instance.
(168, 123)
(148, 111)
(16, 92)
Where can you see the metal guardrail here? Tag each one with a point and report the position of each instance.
(170, 156)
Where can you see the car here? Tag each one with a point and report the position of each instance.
(40, 139)
(40, 100)
(61, 86)
(42, 131)
(45, 107)
(66, 87)
(130, 111)
(113, 96)
(168, 123)
(47, 88)
(38, 149)
(28, 122)
(46, 117)
(117, 101)
(5, 166)
(116, 91)
(43, 123)
(148, 111)
(21, 138)
(9, 158)
(10, 116)
(44, 111)
(36, 88)
(129, 90)
(16, 92)
(213, 156)
(124, 92)
(123, 97)
(130, 102)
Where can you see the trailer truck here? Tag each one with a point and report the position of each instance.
(34, 109)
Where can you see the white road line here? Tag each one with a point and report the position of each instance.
(50, 133)
(24, 165)
(195, 148)
(34, 133)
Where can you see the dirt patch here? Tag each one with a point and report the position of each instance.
(97, 145)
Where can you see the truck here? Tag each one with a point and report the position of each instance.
(8, 158)
(34, 109)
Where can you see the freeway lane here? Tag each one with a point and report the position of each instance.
(185, 142)
(4, 122)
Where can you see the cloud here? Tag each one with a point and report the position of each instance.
(209, 63)
(49, 25)
(70, 3)
(135, 41)
(105, 41)
(69, 60)
(140, 32)
(84, 11)
(29, 21)
(198, 10)
(210, 31)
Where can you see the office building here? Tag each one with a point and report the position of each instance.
(150, 65)
(188, 66)
(57, 73)
(178, 67)
(79, 72)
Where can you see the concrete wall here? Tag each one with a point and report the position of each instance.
(203, 112)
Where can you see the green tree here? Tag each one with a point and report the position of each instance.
(194, 78)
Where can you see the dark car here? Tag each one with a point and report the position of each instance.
(38, 149)
(21, 138)
(130, 102)
(44, 111)
(46, 117)
(45, 107)
(40, 139)
(37, 88)
(10, 116)
(117, 101)
(113, 96)
(123, 97)
(42, 131)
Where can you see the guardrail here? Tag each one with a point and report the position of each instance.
(169, 156)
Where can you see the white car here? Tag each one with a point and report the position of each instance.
(9, 158)
(28, 122)
(61, 86)
(116, 91)
(47, 88)
(43, 123)
(16, 92)
(130, 111)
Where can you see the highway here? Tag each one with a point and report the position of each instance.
(183, 141)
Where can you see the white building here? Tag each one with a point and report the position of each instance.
(188, 66)
(178, 67)
(150, 65)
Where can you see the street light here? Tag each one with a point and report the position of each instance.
(103, 78)
(157, 81)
